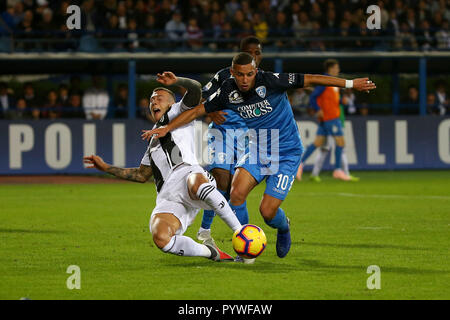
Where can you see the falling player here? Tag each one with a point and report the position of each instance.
(326, 101)
(260, 98)
(223, 162)
(183, 187)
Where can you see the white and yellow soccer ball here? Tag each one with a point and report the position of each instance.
(249, 242)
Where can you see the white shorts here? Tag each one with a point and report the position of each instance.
(174, 197)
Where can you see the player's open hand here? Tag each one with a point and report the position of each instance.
(157, 133)
(95, 162)
(363, 84)
(166, 78)
(218, 117)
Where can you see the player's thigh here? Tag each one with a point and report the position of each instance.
(279, 184)
(243, 182)
(223, 178)
(269, 206)
(163, 227)
(319, 140)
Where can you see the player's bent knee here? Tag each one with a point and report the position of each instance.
(267, 212)
(194, 181)
(161, 239)
(237, 197)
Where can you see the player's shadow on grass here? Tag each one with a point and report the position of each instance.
(4, 230)
(316, 265)
(358, 245)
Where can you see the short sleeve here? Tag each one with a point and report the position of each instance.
(284, 81)
(146, 159)
(215, 102)
(211, 86)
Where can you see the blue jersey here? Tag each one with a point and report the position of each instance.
(233, 120)
(266, 106)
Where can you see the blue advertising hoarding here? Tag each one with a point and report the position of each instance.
(373, 143)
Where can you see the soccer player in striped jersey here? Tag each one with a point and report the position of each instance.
(183, 187)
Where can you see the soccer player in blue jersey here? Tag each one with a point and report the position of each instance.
(223, 162)
(260, 99)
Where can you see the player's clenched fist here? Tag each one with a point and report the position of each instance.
(95, 162)
(363, 84)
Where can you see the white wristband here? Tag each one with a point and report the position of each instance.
(349, 83)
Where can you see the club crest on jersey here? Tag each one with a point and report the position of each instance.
(261, 91)
(235, 97)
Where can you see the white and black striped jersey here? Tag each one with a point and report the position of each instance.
(177, 147)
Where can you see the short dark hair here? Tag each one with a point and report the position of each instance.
(329, 63)
(243, 58)
(248, 41)
(166, 90)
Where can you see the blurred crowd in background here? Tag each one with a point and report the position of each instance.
(312, 25)
(68, 100)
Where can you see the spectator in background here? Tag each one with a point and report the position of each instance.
(281, 31)
(75, 85)
(121, 101)
(89, 19)
(442, 99)
(144, 111)
(412, 101)
(349, 96)
(425, 38)
(260, 27)
(176, 30)
(364, 109)
(47, 26)
(74, 109)
(443, 36)
(431, 104)
(316, 44)
(302, 28)
(407, 41)
(52, 108)
(194, 34)
(132, 35)
(20, 112)
(6, 100)
(95, 100)
(25, 31)
(111, 33)
(31, 99)
(63, 94)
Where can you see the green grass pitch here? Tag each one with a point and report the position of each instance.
(398, 221)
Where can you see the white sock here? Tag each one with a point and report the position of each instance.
(320, 159)
(208, 193)
(344, 162)
(185, 246)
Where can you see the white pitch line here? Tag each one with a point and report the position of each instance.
(380, 196)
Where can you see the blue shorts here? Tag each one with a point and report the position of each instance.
(331, 128)
(224, 149)
(279, 175)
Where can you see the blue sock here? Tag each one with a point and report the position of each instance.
(241, 212)
(308, 152)
(279, 221)
(338, 156)
(208, 215)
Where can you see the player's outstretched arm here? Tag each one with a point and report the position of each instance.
(183, 119)
(193, 87)
(360, 84)
(141, 174)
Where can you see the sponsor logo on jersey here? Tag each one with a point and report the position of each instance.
(255, 110)
(261, 91)
(235, 97)
(208, 86)
(291, 78)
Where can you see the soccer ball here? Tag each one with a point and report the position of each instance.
(249, 242)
